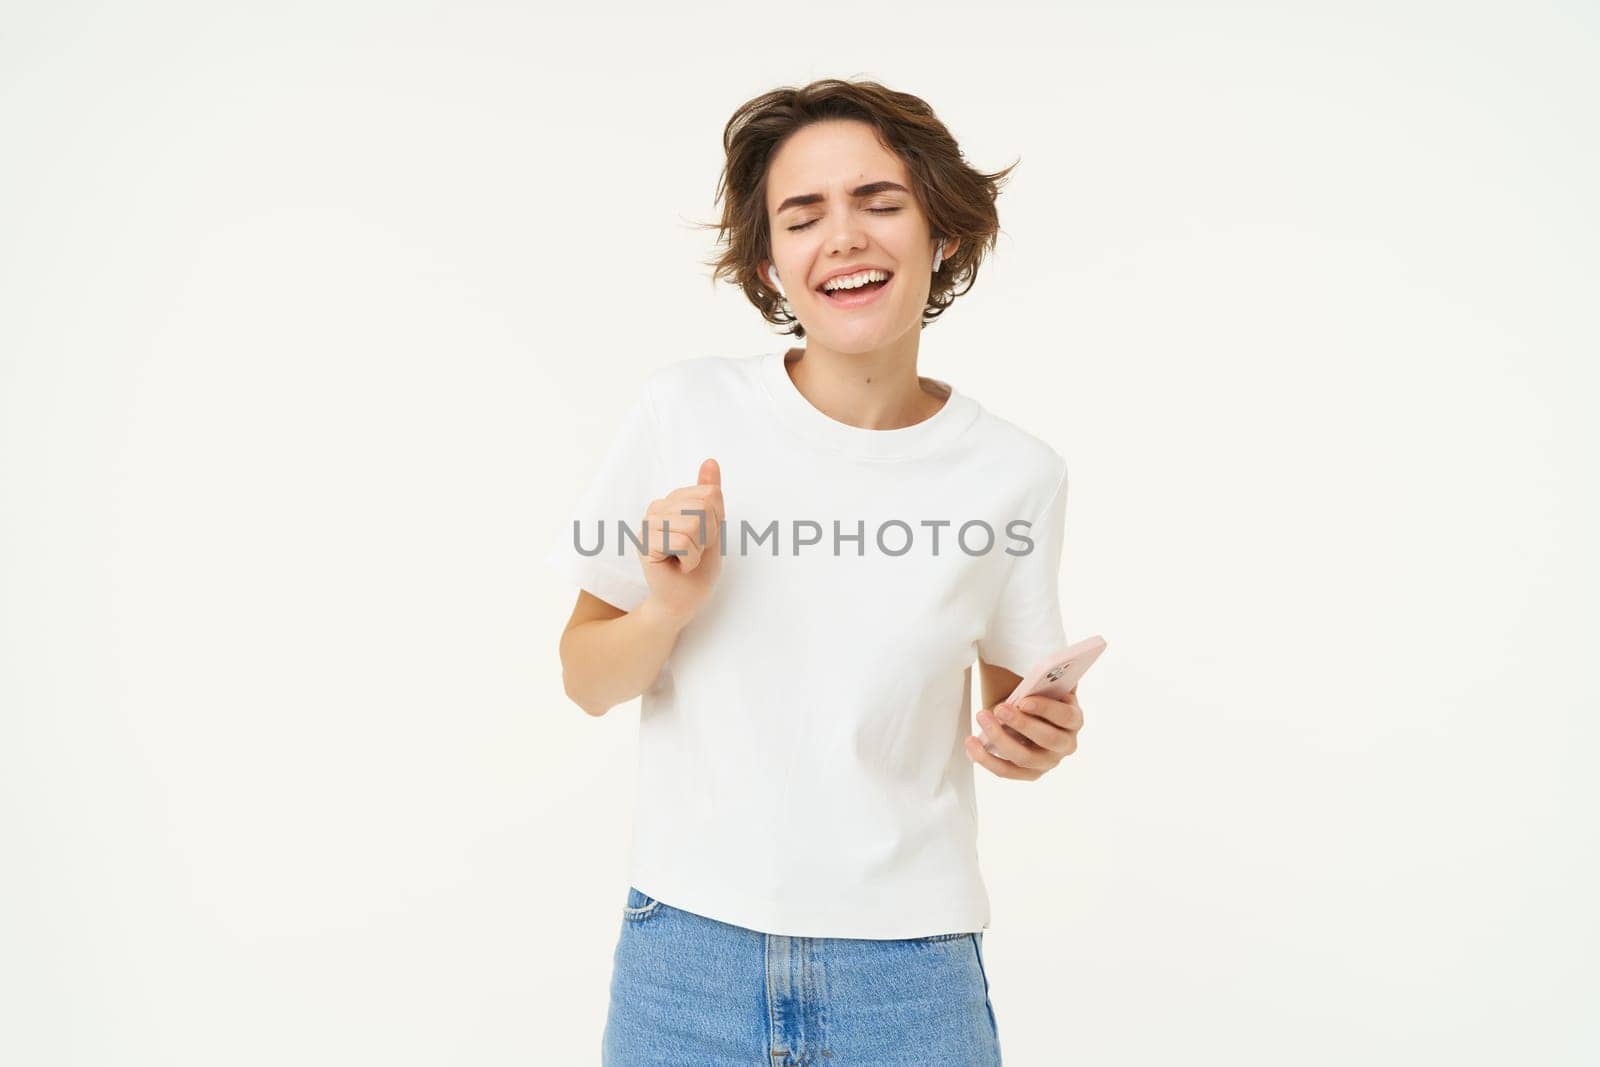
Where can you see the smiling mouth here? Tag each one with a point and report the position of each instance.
(861, 294)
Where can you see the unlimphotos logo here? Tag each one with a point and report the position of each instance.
(893, 537)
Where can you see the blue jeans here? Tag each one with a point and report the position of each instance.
(691, 990)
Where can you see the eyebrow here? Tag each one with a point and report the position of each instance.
(858, 193)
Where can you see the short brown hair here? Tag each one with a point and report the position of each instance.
(957, 200)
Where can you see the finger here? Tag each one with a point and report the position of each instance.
(997, 766)
(665, 544)
(991, 728)
(1061, 713)
(694, 492)
(702, 517)
(694, 553)
(1072, 699)
(1036, 728)
(699, 498)
(682, 546)
(710, 473)
(1011, 745)
(692, 520)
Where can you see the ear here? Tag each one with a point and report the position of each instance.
(769, 274)
(950, 244)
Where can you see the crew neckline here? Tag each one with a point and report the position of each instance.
(920, 438)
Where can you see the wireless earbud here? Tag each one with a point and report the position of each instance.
(772, 275)
(938, 254)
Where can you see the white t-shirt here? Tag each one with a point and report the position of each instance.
(800, 754)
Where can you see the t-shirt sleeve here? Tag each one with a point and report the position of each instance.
(1026, 624)
(619, 491)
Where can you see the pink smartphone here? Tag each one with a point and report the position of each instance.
(1056, 675)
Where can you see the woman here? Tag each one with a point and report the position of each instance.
(811, 547)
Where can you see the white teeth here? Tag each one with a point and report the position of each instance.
(855, 281)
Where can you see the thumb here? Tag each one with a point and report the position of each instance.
(710, 474)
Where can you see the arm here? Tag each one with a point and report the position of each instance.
(609, 656)
(998, 683)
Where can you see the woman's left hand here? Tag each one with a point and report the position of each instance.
(1031, 738)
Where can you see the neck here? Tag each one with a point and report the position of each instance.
(878, 390)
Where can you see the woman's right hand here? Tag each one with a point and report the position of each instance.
(681, 581)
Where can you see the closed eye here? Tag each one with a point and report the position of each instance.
(874, 210)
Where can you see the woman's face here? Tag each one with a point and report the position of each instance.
(836, 198)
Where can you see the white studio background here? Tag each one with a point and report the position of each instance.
(312, 317)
